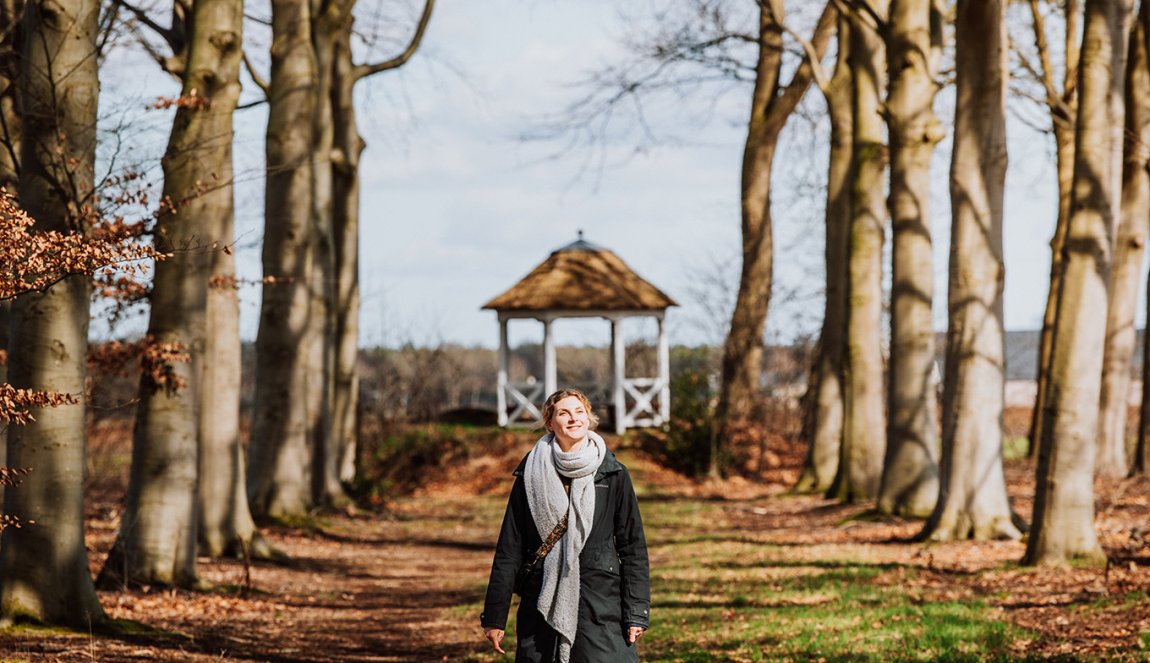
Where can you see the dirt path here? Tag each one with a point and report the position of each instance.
(404, 586)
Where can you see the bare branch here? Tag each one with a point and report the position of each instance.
(814, 54)
(363, 71)
(811, 66)
(260, 82)
(174, 39)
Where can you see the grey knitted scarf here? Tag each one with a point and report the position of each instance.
(559, 597)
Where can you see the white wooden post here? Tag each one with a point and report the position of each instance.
(501, 392)
(550, 381)
(664, 373)
(619, 374)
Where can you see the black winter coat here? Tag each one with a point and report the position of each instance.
(614, 588)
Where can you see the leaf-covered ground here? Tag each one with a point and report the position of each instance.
(742, 571)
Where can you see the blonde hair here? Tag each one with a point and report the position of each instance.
(549, 407)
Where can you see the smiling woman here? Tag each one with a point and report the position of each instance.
(572, 546)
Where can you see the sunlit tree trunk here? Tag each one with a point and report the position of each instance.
(1064, 495)
(864, 430)
(345, 206)
(1063, 105)
(44, 572)
(910, 468)
(772, 104)
(159, 533)
(1129, 247)
(280, 471)
(972, 502)
(1136, 182)
(822, 460)
(226, 526)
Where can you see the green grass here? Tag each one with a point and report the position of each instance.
(720, 595)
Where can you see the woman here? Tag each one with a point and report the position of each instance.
(590, 599)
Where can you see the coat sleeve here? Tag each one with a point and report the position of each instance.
(508, 559)
(631, 545)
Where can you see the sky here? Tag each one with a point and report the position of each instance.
(456, 207)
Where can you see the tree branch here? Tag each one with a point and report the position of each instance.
(256, 78)
(169, 35)
(811, 66)
(363, 71)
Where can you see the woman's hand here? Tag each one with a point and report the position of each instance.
(633, 634)
(494, 635)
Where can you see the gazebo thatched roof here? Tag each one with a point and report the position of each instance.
(582, 277)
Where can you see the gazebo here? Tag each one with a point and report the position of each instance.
(582, 280)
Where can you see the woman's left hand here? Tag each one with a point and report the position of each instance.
(633, 634)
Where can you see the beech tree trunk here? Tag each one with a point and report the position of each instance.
(226, 526)
(822, 460)
(771, 106)
(1136, 183)
(1064, 497)
(10, 11)
(1063, 112)
(910, 468)
(44, 569)
(1129, 247)
(972, 502)
(349, 146)
(280, 472)
(860, 466)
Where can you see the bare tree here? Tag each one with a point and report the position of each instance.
(972, 501)
(772, 104)
(910, 468)
(829, 375)
(861, 459)
(1129, 247)
(1062, 103)
(1063, 526)
(304, 411)
(1136, 182)
(44, 569)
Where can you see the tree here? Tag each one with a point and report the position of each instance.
(1129, 247)
(972, 501)
(159, 531)
(829, 375)
(910, 468)
(861, 460)
(305, 346)
(44, 569)
(347, 147)
(1136, 180)
(772, 104)
(279, 471)
(1062, 103)
(1063, 527)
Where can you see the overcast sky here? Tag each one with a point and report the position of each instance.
(456, 208)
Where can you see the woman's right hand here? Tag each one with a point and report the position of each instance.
(494, 635)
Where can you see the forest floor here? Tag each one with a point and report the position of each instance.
(741, 571)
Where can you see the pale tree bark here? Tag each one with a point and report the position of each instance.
(1136, 182)
(348, 145)
(44, 569)
(279, 481)
(822, 459)
(158, 535)
(1063, 526)
(864, 428)
(910, 467)
(226, 526)
(1063, 105)
(1129, 247)
(972, 502)
(772, 104)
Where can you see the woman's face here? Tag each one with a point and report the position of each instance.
(570, 423)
